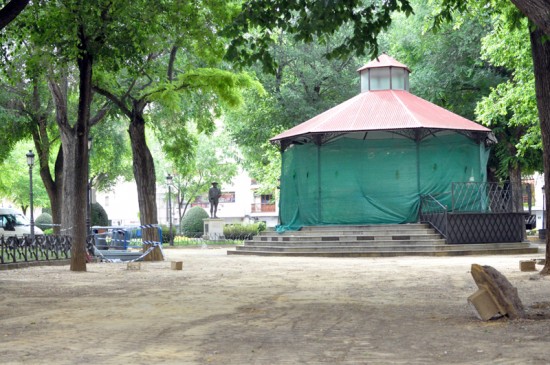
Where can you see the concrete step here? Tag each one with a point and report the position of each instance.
(457, 251)
(368, 241)
(349, 238)
(365, 228)
(428, 247)
(344, 243)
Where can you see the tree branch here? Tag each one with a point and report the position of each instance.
(173, 53)
(10, 11)
(119, 103)
(59, 96)
(100, 114)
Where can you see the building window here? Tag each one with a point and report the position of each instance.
(228, 197)
(267, 199)
(266, 204)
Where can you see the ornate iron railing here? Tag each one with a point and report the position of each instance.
(25, 249)
(483, 197)
(475, 212)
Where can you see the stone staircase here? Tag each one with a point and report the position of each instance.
(369, 241)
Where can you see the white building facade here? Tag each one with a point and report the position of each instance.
(239, 203)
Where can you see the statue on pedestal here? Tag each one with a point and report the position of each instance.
(213, 198)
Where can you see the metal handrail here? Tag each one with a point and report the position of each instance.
(435, 214)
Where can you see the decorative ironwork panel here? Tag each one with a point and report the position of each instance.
(25, 249)
(482, 197)
(485, 227)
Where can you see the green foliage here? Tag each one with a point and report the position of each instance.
(510, 110)
(213, 159)
(14, 182)
(110, 155)
(166, 233)
(242, 231)
(99, 215)
(44, 221)
(446, 67)
(252, 32)
(192, 224)
(305, 84)
(48, 231)
(189, 241)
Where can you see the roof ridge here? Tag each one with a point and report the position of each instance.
(413, 116)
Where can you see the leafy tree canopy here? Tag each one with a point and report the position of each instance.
(14, 181)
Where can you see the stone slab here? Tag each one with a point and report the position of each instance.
(527, 265)
(504, 295)
(177, 265)
(134, 266)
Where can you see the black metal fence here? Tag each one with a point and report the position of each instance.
(475, 212)
(25, 249)
(483, 197)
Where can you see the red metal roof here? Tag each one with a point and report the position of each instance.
(383, 61)
(383, 110)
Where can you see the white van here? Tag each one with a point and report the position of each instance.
(14, 223)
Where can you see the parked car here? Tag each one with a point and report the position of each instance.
(14, 223)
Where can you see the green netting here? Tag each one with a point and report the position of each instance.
(376, 181)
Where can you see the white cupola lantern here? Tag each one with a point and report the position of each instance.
(384, 73)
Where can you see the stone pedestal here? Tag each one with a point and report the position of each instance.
(213, 229)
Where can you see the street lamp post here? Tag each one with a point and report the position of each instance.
(30, 162)
(89, 193)
(169, 183)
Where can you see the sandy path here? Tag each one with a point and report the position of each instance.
(261, 310)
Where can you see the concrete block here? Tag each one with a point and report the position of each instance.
(484, 304)
(134, 266)
(527, 265)
(177, 265)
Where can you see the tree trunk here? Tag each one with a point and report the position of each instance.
(74, 140)
(74, 193)
(57, 201)
(514, 172)
(144, 173)
(39, 132)
(538, 11)
(53, 187)
(541, 62)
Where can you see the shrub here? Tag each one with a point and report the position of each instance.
(262, 226)
(192, 224)
(47, 210)
(166, 233)
(44, 221)
(242, 231)
(99, 216)
(48, 231)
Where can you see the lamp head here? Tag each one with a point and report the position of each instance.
(30, 158)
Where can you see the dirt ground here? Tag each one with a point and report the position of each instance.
(224, 309)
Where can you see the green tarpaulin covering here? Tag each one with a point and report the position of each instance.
(373, 181)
